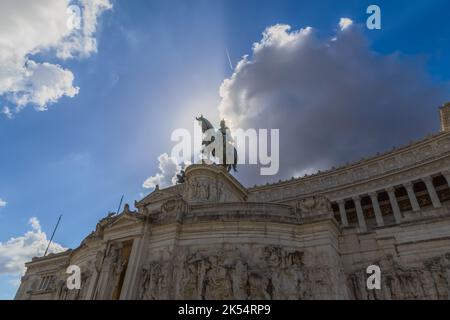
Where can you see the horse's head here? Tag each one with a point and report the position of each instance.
(201, 121)
(206, 125)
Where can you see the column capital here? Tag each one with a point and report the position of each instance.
(356, 198)
(427, 179)
(408, 184)
(390, 189)
(445, 172)
(340, 201)
(373, 194)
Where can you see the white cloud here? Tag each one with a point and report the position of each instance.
(29, 27)
(16, 251)
(44, 84)
(7, 112)
(3, 203)
(334, 99)
(168, 167)
(345, 23)
(278, 36)
(82, 42)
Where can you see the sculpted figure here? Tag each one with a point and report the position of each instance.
(294, 258)
(219, 285)
(98, 261)
(227, 155)
(239, 279)
(193, 189)
(259, 285)
(154, 281)
(85, 279)
(61, 289)
(168, 206)
(222, 192)
(203, 268)
(188, 281)
(323, 205)
(206, 190)
(272, 255)
(111, 263)
(145, 279)
(196, 276)
(213, 193)
(306, 205)
(314, 205)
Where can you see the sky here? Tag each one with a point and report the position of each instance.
(87, 113)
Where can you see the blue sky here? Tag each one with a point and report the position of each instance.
(158, 64)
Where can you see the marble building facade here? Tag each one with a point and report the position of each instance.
(306, 238)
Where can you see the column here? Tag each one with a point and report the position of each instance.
(360, 214)
(412, 196)
(432, 191)
(376, 208)
(394, 204)
(130, 280)
(342, 212)
(446, 175)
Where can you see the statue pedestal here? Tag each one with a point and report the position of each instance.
(212, 183)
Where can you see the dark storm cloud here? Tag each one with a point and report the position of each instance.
(334, 100)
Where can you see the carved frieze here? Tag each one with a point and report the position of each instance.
(208, 183)
(262, 272)
(428, 280)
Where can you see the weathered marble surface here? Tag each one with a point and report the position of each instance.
(230, 272)
(428, 280)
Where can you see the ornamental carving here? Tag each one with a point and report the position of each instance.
(428, 280)
(200, 189)
(261, 272)
(175, 208)
(315, 205)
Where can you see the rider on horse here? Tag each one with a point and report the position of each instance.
(224, 135)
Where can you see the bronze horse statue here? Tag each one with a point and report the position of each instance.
(211, 134)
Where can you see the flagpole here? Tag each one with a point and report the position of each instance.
(120, 204)
(54, 230)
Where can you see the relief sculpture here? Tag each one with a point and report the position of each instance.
(269, 272)
(199, 189)
(153, 281)
(429, 280)
(313, 206)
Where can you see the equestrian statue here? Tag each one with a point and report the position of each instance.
(228, 154)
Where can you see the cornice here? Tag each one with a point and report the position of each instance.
(51, 258)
